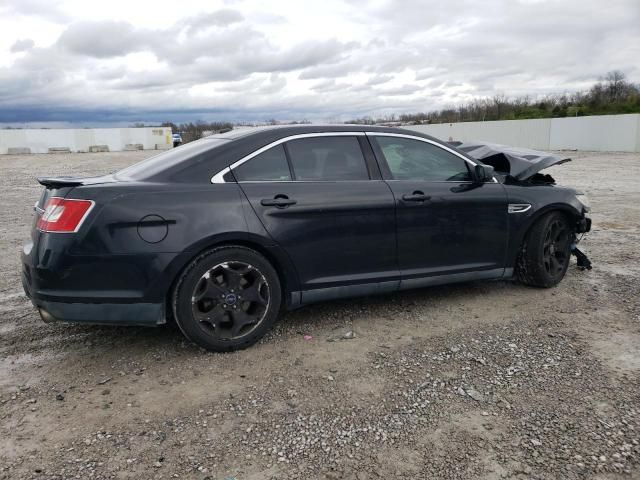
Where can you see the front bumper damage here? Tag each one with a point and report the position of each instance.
(582, 226)
(583, 261)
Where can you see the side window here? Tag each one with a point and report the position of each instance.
(327, 158)
(269, 166)
(415, 160)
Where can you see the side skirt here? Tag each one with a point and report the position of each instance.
(305, 297)
(409, 283)
(347, 291)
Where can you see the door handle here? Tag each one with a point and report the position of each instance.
(280, 201)
(416, 196)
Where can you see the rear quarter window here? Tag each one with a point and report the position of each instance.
(268, 166)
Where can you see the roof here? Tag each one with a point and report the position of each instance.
(287, 130)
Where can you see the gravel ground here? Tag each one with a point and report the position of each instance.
(480, 380)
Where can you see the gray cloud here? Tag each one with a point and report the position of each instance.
(22, 45)
(218, 18)
(102, 39)
(48, 9)
(238, 49)
(379, 79)
(380, 57)
(335, 70)
(399, 91)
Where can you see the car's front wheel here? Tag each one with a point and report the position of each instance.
(546, 252)
(227, 299)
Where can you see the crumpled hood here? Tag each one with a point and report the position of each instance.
(520, 163)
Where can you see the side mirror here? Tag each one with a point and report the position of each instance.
(484, 173)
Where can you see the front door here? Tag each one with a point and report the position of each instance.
(447, 223)
(317, 199)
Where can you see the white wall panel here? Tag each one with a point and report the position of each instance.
(618, 133)
(523, 133)
(601, 133)
(80, 139)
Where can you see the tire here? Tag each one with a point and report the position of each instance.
(227, 299)
(546, 251)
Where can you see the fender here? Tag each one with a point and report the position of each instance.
(520, 230)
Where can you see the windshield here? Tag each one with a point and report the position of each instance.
(153, 165)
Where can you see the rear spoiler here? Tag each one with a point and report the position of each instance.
(58, 182)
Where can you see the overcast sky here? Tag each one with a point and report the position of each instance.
(121, 61)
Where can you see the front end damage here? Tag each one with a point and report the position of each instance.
(583, 226)
(522, 166)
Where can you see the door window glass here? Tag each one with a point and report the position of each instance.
(269, 166)
(327, 158)
(416, 160)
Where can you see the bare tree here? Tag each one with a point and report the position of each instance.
(615, 84)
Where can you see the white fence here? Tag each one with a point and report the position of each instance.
(618, 133)
(83, 139)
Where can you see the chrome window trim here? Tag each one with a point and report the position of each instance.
(311, 181)
(218, 177)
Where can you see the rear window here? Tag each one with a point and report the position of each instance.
(327, 158)
(151, 166)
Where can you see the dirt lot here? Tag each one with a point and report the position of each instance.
(481, 380)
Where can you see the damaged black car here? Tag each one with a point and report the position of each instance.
(223, 234)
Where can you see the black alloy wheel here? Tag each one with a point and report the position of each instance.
(230, 299)
(546, 252)
(227, 298)
(556, 247)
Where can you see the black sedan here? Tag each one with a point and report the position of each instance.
(223, 234)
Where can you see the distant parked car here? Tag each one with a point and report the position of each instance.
(177, 139)
(228, 231)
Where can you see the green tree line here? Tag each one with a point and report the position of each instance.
(612, 94)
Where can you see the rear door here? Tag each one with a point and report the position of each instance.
(447, 223)
(321, 197)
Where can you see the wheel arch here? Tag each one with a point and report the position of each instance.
(569, 210)
(273, 253)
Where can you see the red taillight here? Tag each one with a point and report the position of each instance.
(63, 215)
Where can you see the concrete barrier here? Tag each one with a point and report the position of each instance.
(98, 148)
(19, 151)
(133, 146)
(618, 133)
(81, 139)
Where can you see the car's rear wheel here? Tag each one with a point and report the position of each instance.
(227, 299)
(546, 252)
